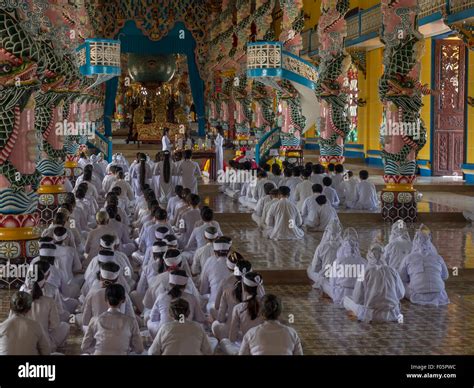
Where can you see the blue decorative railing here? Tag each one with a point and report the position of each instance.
(268, 141)
(367, 23)
(103, 144)
(268, 59)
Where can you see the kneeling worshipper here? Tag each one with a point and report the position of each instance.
(377, 297)
(204, 253)
(284, 219)
(320, 213)
(160, 313)
(245, 315)
(399, 245)
(96, 302)
(20, 335)
(181, 336)
(271, 338)
(112, 332)
(347, 269)
(325, 255)
(263, 200)
(424, 272)
(216, 270)
(44, 311)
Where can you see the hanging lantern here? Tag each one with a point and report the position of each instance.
(99, 58)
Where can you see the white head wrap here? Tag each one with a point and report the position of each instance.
(108, 275)
(221, 246)
(59, 238)
(178, 279)
(375, 254)
(256, 282)
(47, 252)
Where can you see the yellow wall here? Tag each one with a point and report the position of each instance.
(362, 117)
(470, 109)
(374, 107)
(425, 78)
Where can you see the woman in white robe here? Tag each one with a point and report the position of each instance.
(165, 170)
(141, 175)
(20, 335)
(325, 254)
(377, 297)
(112, 332)
(271, 337)
(424, 272)
(160, 313)
(219, 144)
(189, 172)
(44, 311)
(347, 269)
(181, 336)
(399, 245)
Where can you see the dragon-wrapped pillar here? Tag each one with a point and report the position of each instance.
(334, 125)
(19, 179)
(403, 133)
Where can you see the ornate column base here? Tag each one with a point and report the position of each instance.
(71, 170)
(18, 246)
(51, 196)
(334, 159)
(399, 199)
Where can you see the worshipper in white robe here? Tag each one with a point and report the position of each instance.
(112, 332)
(320, 213)
(110, 179)
(44, 311)
(203, 253)
(165, 170)
(216, 270)
(366, 194)
(182, 206)
(337, 182)
(350, 189)
(197, 238)
(303, 190)
(95, 303)
(318, 174)
(148, 236)
(121, 231)
(424, 272)
(92, 245)
(399, 245)
(160, 284)
(271, 338)
(46, 263)
(330, 193)
(189, 172)
(284, 219)
(68, 263)
(275, 175)
(325, 254)
(90, 197)
(274, 193)
(165, 141)
(308, 210)
(140, 175)
(127, 191)
(262, 180)
(160, 234)
(84, 210)
(160, 313)
(219, 144)
(149, 271)
(245, 315)
(174, 200)
(291, 180)
(185, 224)
(82, 161)
(230, 297)
(377, 297)
(94, 183)
(346, 270)
(257, 214)
(105, 255)
(61, 219)
(20, 335)
(181, 336)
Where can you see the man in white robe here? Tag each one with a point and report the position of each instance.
(424, 272)
(303, 190)
(320, 214)
(257, 214)
(350, 186)
(377, 297)
(366, 194)
(284, 219)
(189, 172)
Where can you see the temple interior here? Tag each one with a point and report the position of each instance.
(378, 94)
